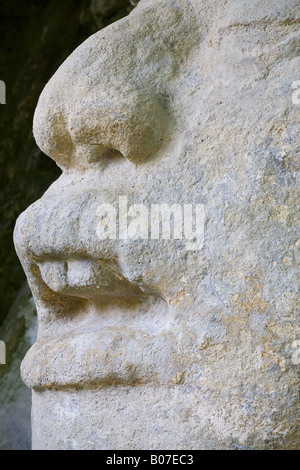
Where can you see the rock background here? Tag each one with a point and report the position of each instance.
(36, 36)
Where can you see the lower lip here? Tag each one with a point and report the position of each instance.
(109, 357)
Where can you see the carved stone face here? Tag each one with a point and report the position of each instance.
(184, 104)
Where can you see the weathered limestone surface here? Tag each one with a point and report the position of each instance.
(144, 343)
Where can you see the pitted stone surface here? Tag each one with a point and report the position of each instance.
(153, 345)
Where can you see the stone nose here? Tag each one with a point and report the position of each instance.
(98, 104)
(131, 124)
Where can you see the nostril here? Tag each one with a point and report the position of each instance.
(105, 156)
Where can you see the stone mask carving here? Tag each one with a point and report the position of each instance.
(145, 341)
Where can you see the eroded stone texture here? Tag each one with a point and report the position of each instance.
(144, 343)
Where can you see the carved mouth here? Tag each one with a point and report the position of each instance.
(122, 338)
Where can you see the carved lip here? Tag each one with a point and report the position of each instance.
(108, 357)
